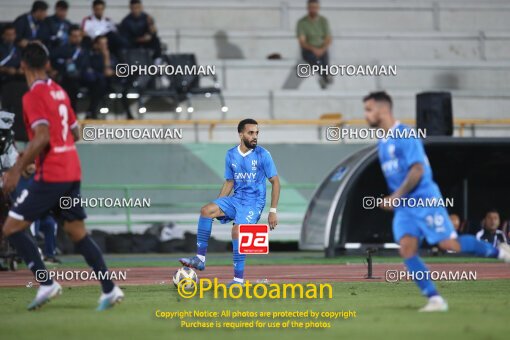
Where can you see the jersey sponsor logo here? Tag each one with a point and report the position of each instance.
(245, 175)
(253, 239)
(390, 166)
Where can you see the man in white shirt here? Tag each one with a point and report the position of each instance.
(98, 24)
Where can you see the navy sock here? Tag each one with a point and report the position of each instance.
(203, 234)
(470, 245)
(28, 250)
(92, 254)
(414, 265)
(239, 260)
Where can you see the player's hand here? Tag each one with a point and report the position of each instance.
(272, 220)
(10, 179)
(28, 171)
(386, 203)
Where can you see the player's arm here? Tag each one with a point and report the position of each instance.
(34, 147)
(412, 179)
(75, 131)
(227, 187)
(275, 196)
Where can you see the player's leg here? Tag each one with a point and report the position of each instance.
(406, 229)
(207, 213)
(468, 244)
(32, 203)
(48, 227)
(247, 215)
(14, 231)
(75, 228)
(86, 246)
(238, 260)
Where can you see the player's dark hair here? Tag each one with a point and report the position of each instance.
(244, 122)
(379, 96)
(492, 210)
(98, 2)
(135, 2)
(312, 2)
(39, 6)
(35, 55)
(62, 4)
(8, 26)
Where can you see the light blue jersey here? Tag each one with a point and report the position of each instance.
(397, 156)
(249, 171)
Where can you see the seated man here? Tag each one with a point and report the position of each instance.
(98, 25)
(314, 38)
(57, 26)
(139, 29)
(490, 232)
(457, 225)
(29, 26)
(10, 56)
(72, 61)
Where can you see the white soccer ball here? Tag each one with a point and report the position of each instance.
(187, 274)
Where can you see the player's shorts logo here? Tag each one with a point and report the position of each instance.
(253, 239)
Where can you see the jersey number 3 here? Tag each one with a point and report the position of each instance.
(62, 111)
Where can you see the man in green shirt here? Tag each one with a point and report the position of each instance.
(314, 38)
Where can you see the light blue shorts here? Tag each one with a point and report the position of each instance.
(238, 211)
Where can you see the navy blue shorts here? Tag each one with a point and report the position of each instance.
(39, 198)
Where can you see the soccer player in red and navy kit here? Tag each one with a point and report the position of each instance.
(52, 129)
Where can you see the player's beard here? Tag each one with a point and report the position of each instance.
(249, 145)
(374, 124)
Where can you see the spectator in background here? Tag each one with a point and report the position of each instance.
(490, 232)
(30, 26)
(10, 55)
(102, 64)
(98, 25)
(72, 61)
(457, 225)
(314, 38)
(139, 29)
(58, 26)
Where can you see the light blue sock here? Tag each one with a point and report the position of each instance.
(203, 234)
(414, 265)
(470, 245)
(239, 260)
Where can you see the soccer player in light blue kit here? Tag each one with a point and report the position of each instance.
(408, 175)
(247, 166)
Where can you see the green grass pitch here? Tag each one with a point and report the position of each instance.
(478, 310)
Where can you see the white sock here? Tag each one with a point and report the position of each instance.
(236, 279)
(201, 257)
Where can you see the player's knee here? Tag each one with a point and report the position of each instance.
(6, 230)
(75, 231)
(407, 250)
(206, 211)
(12, 226)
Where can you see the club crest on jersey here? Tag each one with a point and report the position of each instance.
(391, 150)
(254, 164)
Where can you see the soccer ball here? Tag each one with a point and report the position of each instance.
(185, 273)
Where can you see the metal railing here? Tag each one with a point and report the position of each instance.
(127, 191)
